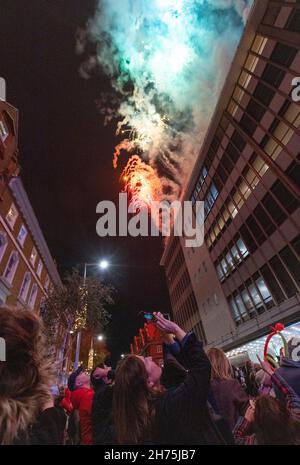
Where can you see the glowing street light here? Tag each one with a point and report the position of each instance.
(104, 264)
(100, 337)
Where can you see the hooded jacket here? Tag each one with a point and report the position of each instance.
(290, 371)
(82, 400)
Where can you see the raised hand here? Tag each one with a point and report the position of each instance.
(168, 327)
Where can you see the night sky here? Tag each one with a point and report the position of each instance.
(66, 155)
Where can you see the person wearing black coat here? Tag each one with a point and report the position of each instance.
(145, 413)
(47, 430)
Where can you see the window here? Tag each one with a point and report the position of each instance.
(234, 310)
(272, 283)
(238, 141)
(265, 221)
(283, 54)
(247, 124)
(275, 211)
(22, 235)
(296, 244)
(259, 44)
(285, 197)
(39, 268)
(256, 230)
(33, 295)
(12, 216)
(271, 15)
(283, 276)
(210, 199)
(159, 349)
(291, 262)
(233, 258)
(33, 256)
(4, 132)
(294, 172)
(264, 291)
(273, 75)
(255, 110)
(293, 23)
(263, 93)
(25, 286)
(11, 267)
(3, 244)
(248, 239)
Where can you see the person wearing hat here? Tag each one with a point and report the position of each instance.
(82, 399)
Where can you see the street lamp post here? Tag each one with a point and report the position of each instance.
(103, 265)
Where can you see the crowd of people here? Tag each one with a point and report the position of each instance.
(196, 398)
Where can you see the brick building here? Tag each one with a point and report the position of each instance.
(148, 343)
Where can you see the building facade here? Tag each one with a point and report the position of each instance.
(27, 269)
(246, 275)
(148, 343)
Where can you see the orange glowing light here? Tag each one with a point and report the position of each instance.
(142, 182)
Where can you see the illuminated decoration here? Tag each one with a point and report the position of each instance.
(275, 331)
(141, 183)
(91, 359)
(167, 61)
(81, 314)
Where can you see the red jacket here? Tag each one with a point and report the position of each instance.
(82, 400)
(66, 402)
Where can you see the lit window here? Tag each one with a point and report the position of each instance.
(39, 268)
(220, 273)
(244, 79)
(265, 293)
(4, 133)
(232, 108)
(238, 94)
(210, 199)
(3, 244)
(255, 295)
(260, 166)
(251, 63)
(22, 235)
(240, 305)
(33, 295)
(292, 114)
(234, 310)
(11, 267)
(12, 215)
(242, 248)
(259, 44)
(25, 286)
(33, 256)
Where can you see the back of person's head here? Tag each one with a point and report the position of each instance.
(273, 423)
(131, 401)
(220, 365)
(25, 376)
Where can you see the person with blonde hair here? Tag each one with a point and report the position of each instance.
(27, 412)
(226, 394)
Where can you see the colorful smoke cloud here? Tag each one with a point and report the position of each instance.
(167, 61)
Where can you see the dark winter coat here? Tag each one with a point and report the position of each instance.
(229, 399)
(47, 430)
(181, 414)
(290, 371)
(102, 416)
